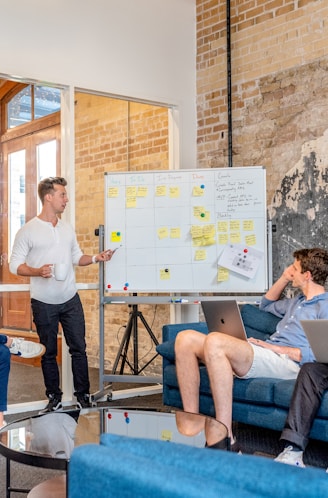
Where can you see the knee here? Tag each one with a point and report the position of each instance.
(186, 340)
(308, 372)
(4, 355)
(214, 345)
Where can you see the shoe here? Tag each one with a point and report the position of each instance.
(83, 401)
(26, 349)
(291, 457)
(53, 405)
(225, 444)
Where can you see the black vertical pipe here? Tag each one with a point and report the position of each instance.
(229, 83)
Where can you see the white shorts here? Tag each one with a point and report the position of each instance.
(267, 363)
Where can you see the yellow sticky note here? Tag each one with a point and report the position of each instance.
(116, 237)
(164, 274)
(175, 233)
(197, 242)
(166, 435)
(162, 232)
(197, 192)
(198, 210)
(131, 191)
(223, 238)
(196, 231)
(248, 225)
(223, 274)
(174, 192)
(131, 202)
(250, 240)
(208, 241)
(206, 216)
(235, 225)
(209, 231)
(160, 190)
(222, 226)
(200, 255)
(142, 191)
(112, 192)
(235, 238)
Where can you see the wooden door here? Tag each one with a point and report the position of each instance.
(25, 161)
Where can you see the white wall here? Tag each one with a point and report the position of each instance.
(132, 48)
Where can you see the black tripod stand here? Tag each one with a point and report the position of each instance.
(132, 331)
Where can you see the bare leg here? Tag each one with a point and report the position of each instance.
(225, 355)
(189, 350)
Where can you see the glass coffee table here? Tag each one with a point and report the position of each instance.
(45, 441)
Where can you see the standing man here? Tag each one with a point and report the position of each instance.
(278, 357)
(39, 245)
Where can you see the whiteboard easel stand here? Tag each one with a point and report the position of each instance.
(106, 390)
(131, 330)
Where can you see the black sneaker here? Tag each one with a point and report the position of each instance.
(53, 405)
(83, 401)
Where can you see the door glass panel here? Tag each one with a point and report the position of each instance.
(20, 108)
(46, 162)
(46, 101)
(17, 209)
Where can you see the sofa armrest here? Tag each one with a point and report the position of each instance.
(170, 331)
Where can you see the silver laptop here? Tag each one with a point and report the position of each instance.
(317, 334)
(224, 316)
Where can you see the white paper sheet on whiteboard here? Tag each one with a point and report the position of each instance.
(241, 259)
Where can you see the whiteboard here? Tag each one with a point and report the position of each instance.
(201, 230)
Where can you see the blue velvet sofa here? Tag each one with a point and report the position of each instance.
(123, 467)
(261, 402)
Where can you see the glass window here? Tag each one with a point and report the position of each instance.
(17, 213)
(20, 108)
(33, 102)
(46, 162)
(46, 101)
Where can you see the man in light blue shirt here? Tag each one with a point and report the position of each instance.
(278, 357)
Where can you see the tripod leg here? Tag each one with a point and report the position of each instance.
(124, 343)
(149, 330)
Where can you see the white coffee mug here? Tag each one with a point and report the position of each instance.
(60, 271)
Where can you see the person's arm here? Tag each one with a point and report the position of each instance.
(27, 271)
(294, 354)
(86, 260)
(275, 291)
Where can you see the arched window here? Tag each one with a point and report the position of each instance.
(30, 103)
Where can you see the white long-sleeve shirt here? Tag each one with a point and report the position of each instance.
(38, 243)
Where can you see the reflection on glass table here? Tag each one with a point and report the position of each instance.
(191, 424)
(45, 441)
(50, 435)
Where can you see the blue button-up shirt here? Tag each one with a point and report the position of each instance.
(289, 330)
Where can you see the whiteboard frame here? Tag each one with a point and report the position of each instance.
(140, 269)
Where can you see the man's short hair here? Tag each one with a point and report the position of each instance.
(46, 185)
(314, 260)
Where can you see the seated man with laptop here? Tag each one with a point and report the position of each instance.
(280, 356)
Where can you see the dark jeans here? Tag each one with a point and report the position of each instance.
(47, 318)
(310, 385)
(4, 372)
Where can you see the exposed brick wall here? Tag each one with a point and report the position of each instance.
(111, 136)
(268, 40)
(279, 77)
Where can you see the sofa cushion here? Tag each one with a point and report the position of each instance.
(258, 323)
(166, 349)
(129, 467)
